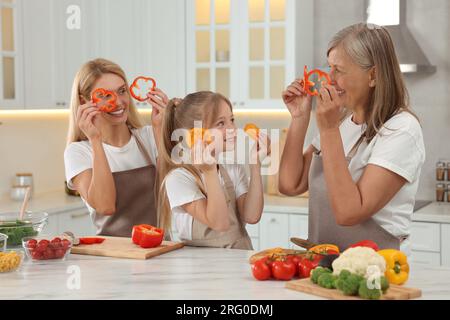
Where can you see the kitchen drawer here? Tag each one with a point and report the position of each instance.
(424, 258)
(445, 250)
(77, 221)
(298, 227)
(253, 230)
(274, 230)
(426, 236)
(255, 243)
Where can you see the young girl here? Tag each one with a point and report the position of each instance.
(110, 158)
(210, 203)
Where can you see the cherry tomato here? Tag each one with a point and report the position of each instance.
(59, 253)
(304, 268)
(49, 254)
(41, 247)
(36, 255)
(43, 243)
(31, 244)
(261, 269)
(65, 244)
(283, 270)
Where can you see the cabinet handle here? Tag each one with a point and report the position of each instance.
(273, 220)
(79, 215)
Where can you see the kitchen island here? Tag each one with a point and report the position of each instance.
(184, 274)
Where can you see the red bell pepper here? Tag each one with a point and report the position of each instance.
(105, 99)
(147, 236)
(366, 243)
(141, 86)
(308, 84)
(91, 240)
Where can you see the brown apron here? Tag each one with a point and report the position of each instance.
(235, 238)
(322, 223)
(135, 199)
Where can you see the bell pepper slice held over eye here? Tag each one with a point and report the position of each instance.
(141, 86)
(322, 77)
(397, 267)
(147, 236)
(106, 100)
(252, 130)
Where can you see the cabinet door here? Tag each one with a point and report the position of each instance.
(274, 230)
(77, 221)
(212, 55)
(424, 258)
(11, 54)
(445, 250)
(298, 227)
(425, 236)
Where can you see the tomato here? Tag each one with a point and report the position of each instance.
(41, 247)
(261, 269)
(49, 254)
(283, 270)
(59, 253)
(65, 244)
(296, 260)
(304, 268)
(31, 244)
(43, 242)
(36, 255)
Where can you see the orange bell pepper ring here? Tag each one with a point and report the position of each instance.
(141, 86)
(105, 99)
(308, 84)
(196, 134)
(252, 130)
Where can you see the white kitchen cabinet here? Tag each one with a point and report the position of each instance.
(424, 258)
(445, 245)
(426, 236)
(274, 230)
(246, 49)
(298, 227)
(255, 243)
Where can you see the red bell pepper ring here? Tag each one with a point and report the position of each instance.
(91, 240)
(308, 84)
(141, 86)
(366, 243)
(147, 236)
(105, 99)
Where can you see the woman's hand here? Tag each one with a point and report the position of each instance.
(202, 155)
(158, 100)
(261, 150)
(88, 121)
(297, 100)
(330, 108)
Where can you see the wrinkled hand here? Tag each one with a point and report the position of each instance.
(330, 108)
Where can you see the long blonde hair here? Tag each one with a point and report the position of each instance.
(83, 84)
(181, 114)
(371, 46)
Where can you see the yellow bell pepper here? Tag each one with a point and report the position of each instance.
(397, 267)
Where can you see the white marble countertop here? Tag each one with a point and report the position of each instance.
(50, 202)
(187, 273)
(434, 212)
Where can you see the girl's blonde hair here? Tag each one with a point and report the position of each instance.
(181, 114)
(371, 46)
(83, 85)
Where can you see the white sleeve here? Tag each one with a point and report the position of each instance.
(77, 158)
(182, 188)
(242, 181)
(316, 142)
(399, 152)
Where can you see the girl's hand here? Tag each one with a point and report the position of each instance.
(88, 121)
(297, 100)
(261, 150)
(158, 100)
(202, 155)
(330, 108)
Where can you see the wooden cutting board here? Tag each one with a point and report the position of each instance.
(393, 293)
(124, 248)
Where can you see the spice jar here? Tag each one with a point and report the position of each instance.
(448, 171)
(440, 171)
(440, 192)
(448, 193)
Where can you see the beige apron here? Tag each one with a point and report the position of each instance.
(322, 223)
(235, 238)
(135, 199)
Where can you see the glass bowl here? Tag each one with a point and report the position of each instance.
(31, 225)
(43, 248)
(10, 260)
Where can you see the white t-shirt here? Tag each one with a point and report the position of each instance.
(78, 156)
(398, 147)
(182, 188)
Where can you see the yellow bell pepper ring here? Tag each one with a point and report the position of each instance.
(397, 267)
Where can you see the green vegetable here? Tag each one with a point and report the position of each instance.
(326, 280)
(384, 284)
(315, 274)
(338, 283)
(16, 230)
(349, 284)
(366, 293)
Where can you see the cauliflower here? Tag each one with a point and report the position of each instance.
(357, 260)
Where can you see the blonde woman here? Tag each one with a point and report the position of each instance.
(362, 173)
(209, 202)
(110, 158)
